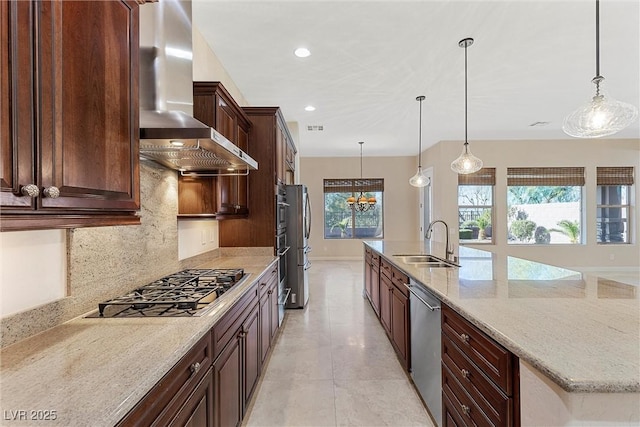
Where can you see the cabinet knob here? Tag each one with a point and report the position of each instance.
(464, 338)
(466, 410)
(30, 190)
(195, 367)
(270, 291)
(263, 284)
(465, 373)
(51, 192)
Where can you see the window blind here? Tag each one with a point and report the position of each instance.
(615, 175)
(485, 176)
(353, 185)
(561, 176)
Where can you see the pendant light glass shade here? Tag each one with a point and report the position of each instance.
(603, 115)
(466, 162)
(419, 179)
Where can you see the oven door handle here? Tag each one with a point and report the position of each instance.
(284, 204)
(284, 251)
(286, 297)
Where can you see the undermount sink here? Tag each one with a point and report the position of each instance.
(425, 260)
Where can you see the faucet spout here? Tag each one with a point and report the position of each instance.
(448, 249)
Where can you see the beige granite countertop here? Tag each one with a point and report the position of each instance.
(580, 330)
(92, 371)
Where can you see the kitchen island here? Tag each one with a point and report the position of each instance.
(93, 371)
(577, 336)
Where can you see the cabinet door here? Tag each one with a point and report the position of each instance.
(88, 104)
(385, 302)
(400, 324)
(198, 409)
(375, 288)
(265, 326)
(275, 308)
(196, 196)
(242, 193)
(17, 136)
(280, 156)
(225, 120)
(251, 350)
(227, 390)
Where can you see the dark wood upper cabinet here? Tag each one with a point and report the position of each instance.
(69, 122)
(215, 107)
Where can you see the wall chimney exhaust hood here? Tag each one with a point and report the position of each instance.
(169, 134)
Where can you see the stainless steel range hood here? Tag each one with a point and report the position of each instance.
(169, 134)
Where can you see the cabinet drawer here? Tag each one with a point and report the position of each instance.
(169, 394)
(460, 401)
(266, 281)
(495, 405)
(386, 268)
(400, 280)
(225, 329)
(375, 259)
(490, 357)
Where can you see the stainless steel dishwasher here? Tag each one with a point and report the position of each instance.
(426, 370)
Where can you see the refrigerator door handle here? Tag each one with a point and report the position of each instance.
(307, 249)
(307, 265)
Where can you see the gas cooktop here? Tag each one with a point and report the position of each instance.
(182, 294)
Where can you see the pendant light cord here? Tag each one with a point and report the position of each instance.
(420, 98)
(466, 141)
(597, 38)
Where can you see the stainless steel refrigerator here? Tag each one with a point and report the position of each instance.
(298, 231)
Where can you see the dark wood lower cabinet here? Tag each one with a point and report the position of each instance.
(198, 409)
(214, 382)
(227, 385)
(386, 288)
(400, 325)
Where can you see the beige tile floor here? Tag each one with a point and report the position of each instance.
(332, 364)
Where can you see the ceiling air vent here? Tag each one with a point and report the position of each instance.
(316, 128)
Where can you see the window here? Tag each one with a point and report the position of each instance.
(613, 195)
(343, 222)
(545, 205)
(475, 206)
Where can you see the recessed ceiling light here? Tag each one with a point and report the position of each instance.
(309, 108)
(302, 52)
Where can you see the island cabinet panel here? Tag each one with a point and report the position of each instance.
(389, 293)
(70, 116)
(164, 402)
(480, 378)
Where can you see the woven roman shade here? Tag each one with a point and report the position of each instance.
(485, 176)
(618, 175)
(570, 176)
(353, 185)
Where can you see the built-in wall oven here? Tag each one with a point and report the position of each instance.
(281, 249)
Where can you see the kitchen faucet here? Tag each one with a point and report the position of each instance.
(448, 250)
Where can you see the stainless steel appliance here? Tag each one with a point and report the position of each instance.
(281, 250)
(298, 231)
(426, 371)
(183, 294)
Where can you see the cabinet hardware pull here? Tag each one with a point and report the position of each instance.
(270, 291)
(195, 367)
(465, 373)
(464, 338)
(30, 190)
(51, 192)
(263, 284)
(466, 410)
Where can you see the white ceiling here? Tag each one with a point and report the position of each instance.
(532, 61)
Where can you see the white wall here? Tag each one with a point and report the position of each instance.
(34, 269)
(567, 152)
(400, 199)
(196, 237)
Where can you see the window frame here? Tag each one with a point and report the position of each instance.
(547, 177)
(611, 177)
(354, 186)
(485, 177)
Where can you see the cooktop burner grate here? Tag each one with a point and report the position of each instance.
(180, 294)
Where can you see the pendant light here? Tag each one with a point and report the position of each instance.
(362, 203)
(466, 163)
(602, 116)
(419, 179)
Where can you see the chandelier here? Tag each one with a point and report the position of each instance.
(362, 203)
(603, 115)
(466, 163)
